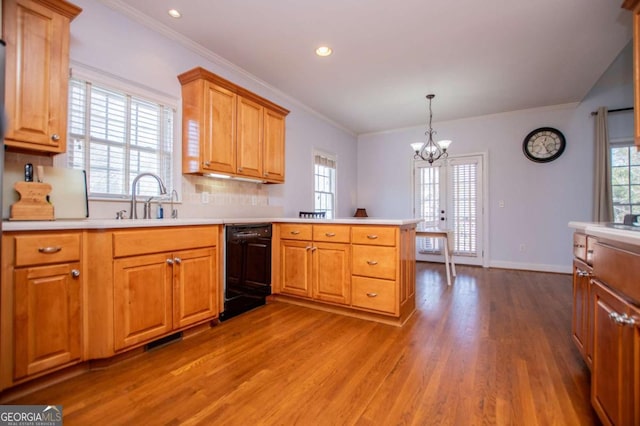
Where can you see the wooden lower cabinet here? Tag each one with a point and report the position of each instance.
(316, 270)
(142, 299)
(331, 272)
(155, 294)
(48, 321)
(581, 315)
(615, 384)
(366, 269)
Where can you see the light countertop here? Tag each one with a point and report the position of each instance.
(148, 223)
(600, 229)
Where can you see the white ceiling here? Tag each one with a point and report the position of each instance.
(478, 57)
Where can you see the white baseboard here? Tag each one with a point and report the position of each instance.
(563, 269)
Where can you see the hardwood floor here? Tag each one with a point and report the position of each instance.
(494, 348)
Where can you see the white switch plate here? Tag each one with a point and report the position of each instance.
(501, 203)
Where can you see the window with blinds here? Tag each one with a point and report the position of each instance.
(325, 184)
(114, 136)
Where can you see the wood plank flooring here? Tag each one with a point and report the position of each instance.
(495, 348)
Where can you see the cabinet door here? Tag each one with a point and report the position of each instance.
(580, 317)
(295, 267)
(48, 321)
(635, 403)
(332, 272)
(274, 151)
(250, 127)
(611, 387)
(142, 298)
(36, 75)
(219, 138)
(195, 296)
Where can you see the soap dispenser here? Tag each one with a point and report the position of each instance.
(160, 211)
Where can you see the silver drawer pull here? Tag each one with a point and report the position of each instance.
(295, 232)
(590, 251)
(308, 247)
(48, 250)
(372, 262)
(75, 273)
(623, 319)
(372, 237)
(330, 234)
(372, 294)
(177, 260)
(169, 261)
(581, 273)
(578, 245)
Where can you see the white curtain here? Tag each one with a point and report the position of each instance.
(602, 201)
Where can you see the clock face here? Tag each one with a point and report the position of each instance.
(544, 144)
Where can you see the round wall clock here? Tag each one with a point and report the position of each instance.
(544, 144)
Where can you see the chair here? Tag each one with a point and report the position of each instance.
(312, 215)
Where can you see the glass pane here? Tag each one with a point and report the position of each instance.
(620, 194)
(634, 172)
(635, 156)
(619, 175)
(619, 212)
(635, 194)
(619, 156)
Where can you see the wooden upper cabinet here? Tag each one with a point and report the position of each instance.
(274, 125)
(250, 133)
(37, 67)
(227, 129)
(634, 7)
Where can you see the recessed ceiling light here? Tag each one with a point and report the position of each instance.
(174, 13)
(324, 51)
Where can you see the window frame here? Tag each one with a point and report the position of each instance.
(331, 214)
(625, 142)
(115, 83)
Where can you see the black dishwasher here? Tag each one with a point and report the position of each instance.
(247, 268)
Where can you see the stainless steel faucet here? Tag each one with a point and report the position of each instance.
(174, 212)
(163, 190)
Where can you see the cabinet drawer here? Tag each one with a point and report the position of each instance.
(47, 248)
(331, 233)
(374, 294)
(146, 241)
(374, 261)
(295, 231)
(580, 246)
(375, 235)
(618, 269)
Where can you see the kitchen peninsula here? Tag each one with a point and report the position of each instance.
(80, 293)
(606, 316)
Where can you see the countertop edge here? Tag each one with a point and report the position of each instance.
(9, 226)
(598, 229)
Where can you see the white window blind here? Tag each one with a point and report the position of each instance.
(114, 136)
(325, 184)
(625, 180)
(464, 183)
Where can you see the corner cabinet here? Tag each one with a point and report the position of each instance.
(229, 130)
(357, 270)
(41, 304)
(634, 7)
(37, 68)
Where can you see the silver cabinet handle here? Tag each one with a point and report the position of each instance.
(308, 247)
(330, 234)
(372, 294)
(372, 237)
(49, 250)
(314, 248)
(169, 261)
(207, 163)
(590, 251)
(581, 273)
(75, 273)
(55, 137)
(177, 260)
(372, 262)
(295, 232)
(578, 245)
(623, 319)
(239, 169)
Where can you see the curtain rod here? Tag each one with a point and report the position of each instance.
(614, 110)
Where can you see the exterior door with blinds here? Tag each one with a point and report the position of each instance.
(450, 195)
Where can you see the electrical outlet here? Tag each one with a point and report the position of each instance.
(523, 247)
(204, 197)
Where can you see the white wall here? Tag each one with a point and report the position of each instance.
(107, 40)
(540, 199)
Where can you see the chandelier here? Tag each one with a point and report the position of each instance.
(430, 151)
